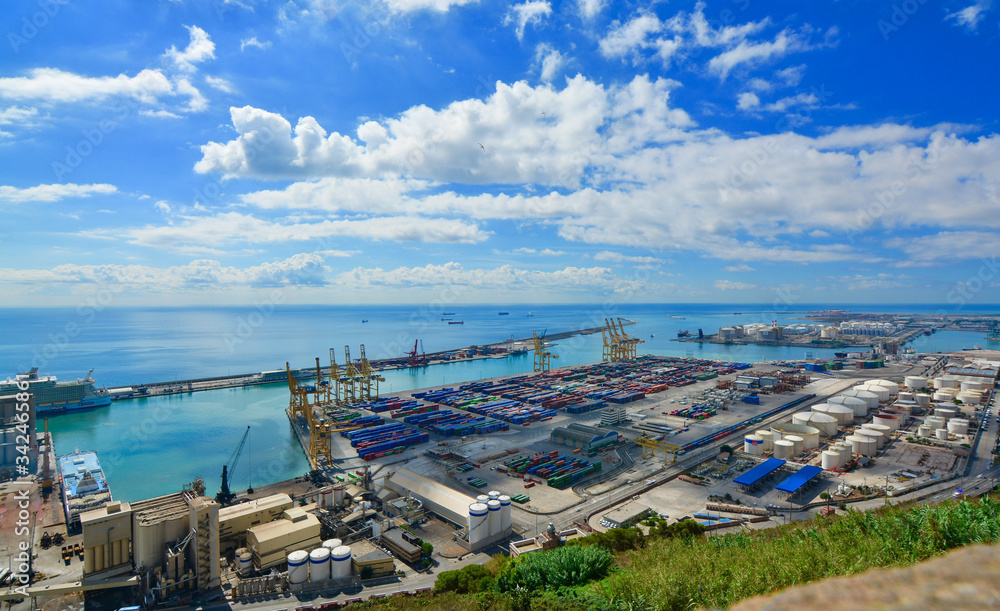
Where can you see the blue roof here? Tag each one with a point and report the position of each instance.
(799, 478)
(74, 466)
(759, 472)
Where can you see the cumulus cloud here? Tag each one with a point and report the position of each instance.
(533, 12)
(53, 193)
(220, 83)
(52, 84)
(253, 43)
(589, 9)
(549, 60)
(748, 101)
(729, 285)
(617, 257)
(199, 49)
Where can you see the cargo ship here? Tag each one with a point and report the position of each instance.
(54, 397)
(83, 485)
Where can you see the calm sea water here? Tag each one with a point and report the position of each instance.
(153, 446)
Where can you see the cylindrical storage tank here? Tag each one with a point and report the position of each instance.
(888, 420)
(892, 386)
(958, 426)
(809, 434)
(858, 405)
(924, 431)
(826, 423)
(879, 391)
(830, 459)
(504, 512)
(298, 567)
(319, 564)
(878, 426)
(332, 544)
(923, 400)
(943, 396)
(842, 413)
(244, 561)
(326, 498)
(768, 438)
(340, 562)
(915, 382)
(797, 443)
(868, 397)
(862, 445)
(493, 520)
(494, 495)
(970, 396)
(478, 522)
(971, 385)
(941, 434)
(753, 445)
(945, 412)
(482, 498)
(845, 450)
(906, 397)
(876, 436)
(783, 449)
(935, 422)
(338, 495)
(946, 382)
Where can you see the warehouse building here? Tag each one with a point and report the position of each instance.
(586, 438)
(448, 504)
(403, 545)
(629, 514)
(369, 561)
(272, 542)
(235, 521)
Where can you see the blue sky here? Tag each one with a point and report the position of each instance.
(394, 151)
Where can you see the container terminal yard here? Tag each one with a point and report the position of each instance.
(405, 486)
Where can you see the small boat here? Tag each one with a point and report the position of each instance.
(447, 313)
(445, 319)
(364, 320)
(530, 315)
(456, 322)
(504, 313)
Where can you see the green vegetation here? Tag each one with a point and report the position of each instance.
(677, 567)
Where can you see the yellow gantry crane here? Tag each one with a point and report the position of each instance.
(629, 343)
(369, 379)
(352, 378)
(612, 342)
(543, 358)
(650, 445)
(303, 401)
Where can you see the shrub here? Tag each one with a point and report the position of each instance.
(466, 580)
(563, 567)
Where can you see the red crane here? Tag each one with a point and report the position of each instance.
(414, 360)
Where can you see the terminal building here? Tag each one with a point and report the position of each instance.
(583, 437)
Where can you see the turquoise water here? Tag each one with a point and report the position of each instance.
(153, 446)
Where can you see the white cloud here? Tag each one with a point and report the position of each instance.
(55, 85)
(53, 193)
(623, 39)
(199, 49)
(220, 83)
(589, 9)
(533, 12)
(162, 206)
(159, 114)
(970, 16)
(792, 75)
(948, 246)
(754, 53)
(252, 42)
(748, 101)
(544, 252)
(617, 257)
(17, 115)
(408, 6)
(550, 61)
(729, 285)
(742, 267)
(802, 100)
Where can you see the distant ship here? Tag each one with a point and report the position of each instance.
(83, 485)
(504, 313)
(364, 320)
(447, 313)
(456, 322)
(530, 314)
(53, 396)
(683, 334)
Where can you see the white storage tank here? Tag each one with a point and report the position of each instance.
(332, 544)
(479, 528)
(958, 426)
(494, 495)
(482, 498)
(890, 421)
(244, 560)
(941, 434)
(298, 567)
(493, 519)
(970, 396)
(924, 431)
(868, 397)
(858, 406)
(893, 387)
(826, 423)
(915, 382)
(338, 495)
(879, 391)
(944, 396)
(797, 444)
(830, 459)
(845, 450)
(923, 400)
(809, 434)
(504, 512)
(842, 413)
(340, 562)
(878, 426)
(862, 445)
(753, 445)
(972, 385)
(768, 438)
(783, 449)
(935, 422)
(876, 436)
(319, 564)
(945, 412)
(946, 382)
(906, 397)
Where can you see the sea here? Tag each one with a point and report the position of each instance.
(154, 446)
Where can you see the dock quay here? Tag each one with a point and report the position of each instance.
(156, 389)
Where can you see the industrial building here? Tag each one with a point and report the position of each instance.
(235, 521)
(752, 478)
(448, 504)
(628, 514)
(84, 486)
(403, 545)
(366, 559)
(550, 539)
(583, 437)
(614, 416)
(271, 543)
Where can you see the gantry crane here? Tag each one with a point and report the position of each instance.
(650, 445)
(629, 343)
(994, 331)
(612, 342)
(369, 378)
(352, 377)
(414, 360)
(303, 402)
(543, 357)
(225, 497)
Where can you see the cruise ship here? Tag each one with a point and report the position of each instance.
(53, 396)
(83, 485)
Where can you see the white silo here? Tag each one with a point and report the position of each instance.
(923, 400)
(915, 382)
(905, 397)
(753, 445)
(830, 459)
(338, 495)
(935, 422)
(893, 387)
(504, 512)
(298, 567)
(244, 560)
(797, 443)
(768, 438)
(478, 522)
(493, 517)
(924, 430)
(958, 426)
(972, 385)
(482, 498)
(845, 450)
(889, 420)
(332, 544)
(880, 391)
(493, 495)
(842, 413)
(826, 423)
(858, 405)
(875, 436)
(319, 564)
(340, 562)
(941, 434)
(862, 445)
(783, 449)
